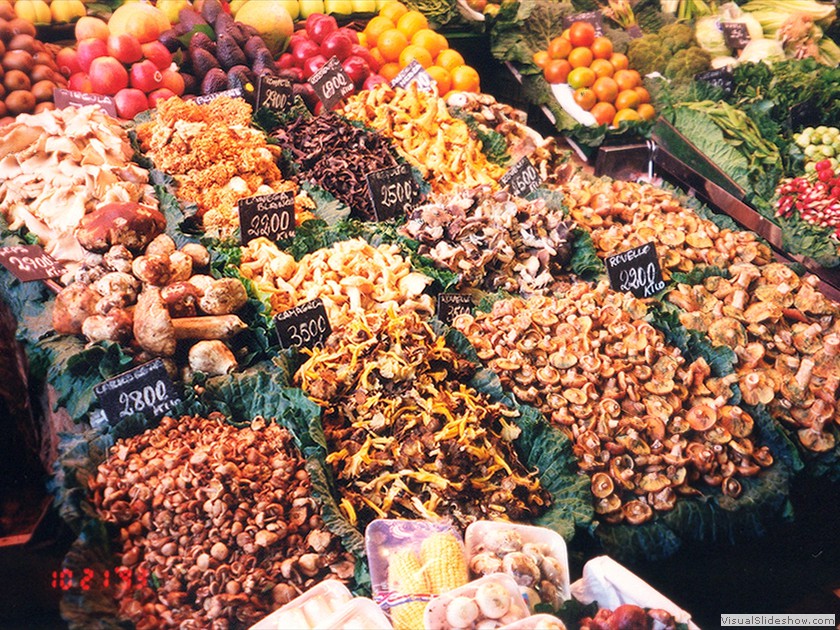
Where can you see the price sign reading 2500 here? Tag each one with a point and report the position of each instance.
(393, 191)
(304, 326)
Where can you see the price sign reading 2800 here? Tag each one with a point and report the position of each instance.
(304, 326)
(636, 270)
(393, 191)
(271, 216)
(146, 390)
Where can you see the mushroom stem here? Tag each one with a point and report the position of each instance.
(831, 344)
(208, 327)
(803, 375)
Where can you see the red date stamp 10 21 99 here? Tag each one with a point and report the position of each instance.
(86, 579)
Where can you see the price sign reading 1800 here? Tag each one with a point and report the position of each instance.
(30, 262)
(147, 390)
(331, 83)
(523, 178)
(304, 326)
(393, 191)
(636, 270)
(271, 216)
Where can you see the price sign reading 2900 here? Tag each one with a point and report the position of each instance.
(393, 191)
(304, 326)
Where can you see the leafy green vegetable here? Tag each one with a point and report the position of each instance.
(801, 237)
(327, 207)
(493, 144)
(517, 35)
(585, 261)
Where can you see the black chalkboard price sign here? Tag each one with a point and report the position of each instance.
(73, 98)
(450, 305)
(393, 191)
(30, 262)
(331, 83)
(273, 93)
(595, 18)
(414, 72)
(303, 326)
(637, 270)
(522, 178)
(208, 98)
(146, 389)
(735, 35)
(720, 77)
(271, 216)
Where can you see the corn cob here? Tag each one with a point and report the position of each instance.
(443, 562)
(405, 577)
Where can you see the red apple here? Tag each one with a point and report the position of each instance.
(125, 47)
(360, 51)
(312, 65)
(304, 51)
(173, 81)
(80, 82)
(67, 61)
(319, 28)
(145, 76)
(295, 75)
(158, 54)
(357, 69)
(286, 60)
(89, 49)
(107, 76)
(296, 38)
(130, 102)
(352, 35)
(336, 44)
(159, 95)
(373, 80)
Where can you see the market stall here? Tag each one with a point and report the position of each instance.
(318, 324)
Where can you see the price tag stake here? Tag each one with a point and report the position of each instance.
(30, 262)
(414, 72)
(393, 191)
(331, 83)
(273, 93)
(450, 305)
(271, 216)
(304, 326)
(522, 178)
(146, 389)
(637, 270)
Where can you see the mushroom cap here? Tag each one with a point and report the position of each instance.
(120, 223)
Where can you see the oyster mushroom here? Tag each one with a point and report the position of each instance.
(493, 600)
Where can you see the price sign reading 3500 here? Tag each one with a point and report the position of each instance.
(304, 326)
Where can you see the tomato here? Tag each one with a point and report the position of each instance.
(585, 98)
(644, 95)
(625, 114)
(602, 67)
(619, 61)
(581, 77)
(541, 58)
(557, 70)
(646, 111)
(626, 79)
(626, 99)
(602, 48)
(580, 57)
(603, 113)
(582, 34)
(559, 48)
(606, 89)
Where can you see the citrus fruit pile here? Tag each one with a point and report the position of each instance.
(603, 83)
(397, 36)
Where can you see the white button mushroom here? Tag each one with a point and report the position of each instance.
(493, 600)
(461, 612)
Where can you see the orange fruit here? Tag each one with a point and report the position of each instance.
(391, 43)
(429, 40)
(393, 10)
(377, 57)
(636, 76)
(557, 70)
(580, 57)
(606, 89)
(375, 28)
(389, 70)
(644, 95)
(559, 48)
(580, 77)
(581, 34)
(411, 22)
(585, 98)
(625, 114)
(603, 113)
(602, 67)
(465, 79)
(441, 77)
(627, 99)
(625, 79)
(449, 59)
(541, 58)
(412, 52)
(602, 48)
(619, 61)
(646, 111)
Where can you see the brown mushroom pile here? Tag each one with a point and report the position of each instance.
(59, 165)
(621, 215)
(220, 518)
(493, 240)
(646, 425)
(786, 335)
(150, 301)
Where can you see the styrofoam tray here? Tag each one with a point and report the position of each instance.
(434, 617)
(360, 613)
(309, 609)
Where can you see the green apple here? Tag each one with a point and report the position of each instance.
(292, 6)
(235, 5)
(363, 6)
(308, 7)
(341, 7)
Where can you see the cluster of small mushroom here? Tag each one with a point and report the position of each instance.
(493, 240)
(621, 215)
(646, 426)
(220, 518)
(150, 301)
(786, 335)
(538, 573)
(491, 605)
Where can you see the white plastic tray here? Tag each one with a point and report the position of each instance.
(308, 609)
